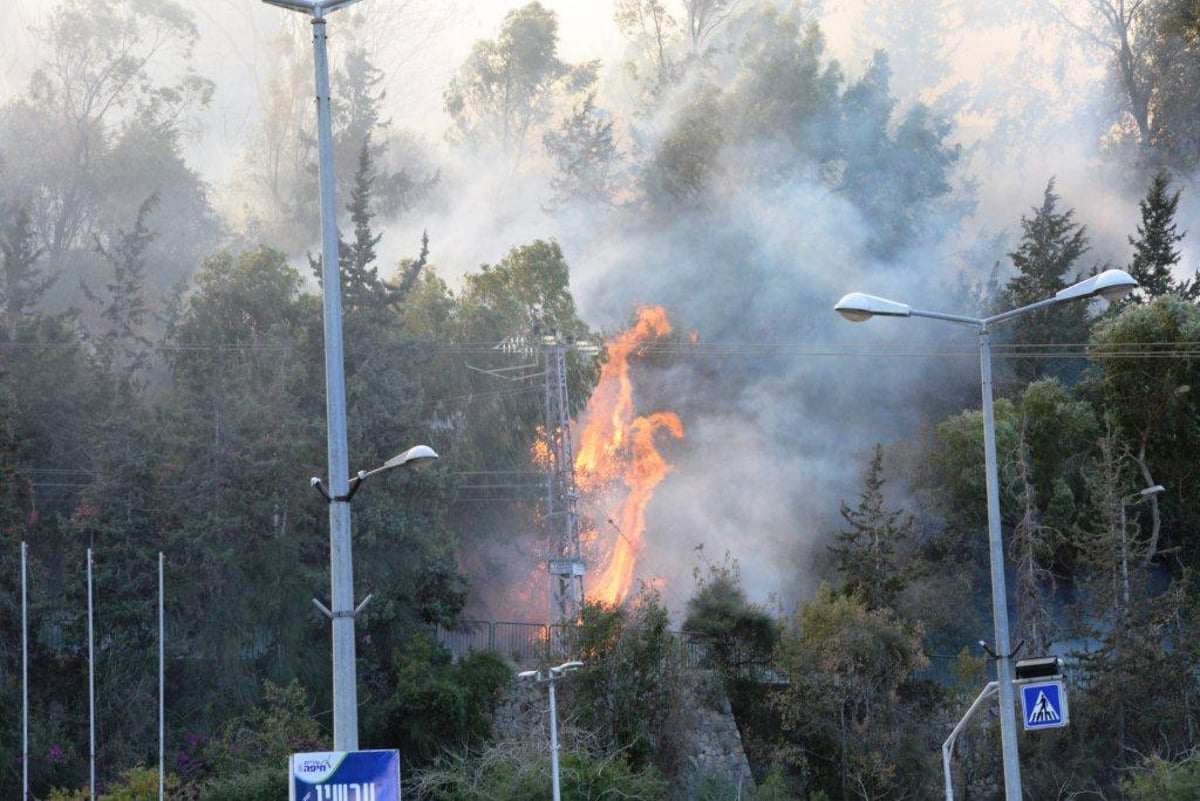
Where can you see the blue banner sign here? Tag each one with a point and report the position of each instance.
(345, 776)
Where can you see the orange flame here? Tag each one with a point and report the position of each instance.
(618, 463)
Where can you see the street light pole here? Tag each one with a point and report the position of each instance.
(550, 676)
(858, 307)
(1004, 667)
(345, 703)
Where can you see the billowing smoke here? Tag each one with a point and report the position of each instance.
(781, 399)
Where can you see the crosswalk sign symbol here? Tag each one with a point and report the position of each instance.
(1044, 704)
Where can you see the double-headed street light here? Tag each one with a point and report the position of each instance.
(550, 676)
(857, 307)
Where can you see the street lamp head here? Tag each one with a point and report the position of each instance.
(318, 8)
(416, 456)
(858, 307)
(1155, 490)
(293, 5)
(530, 675)
(1112, 285)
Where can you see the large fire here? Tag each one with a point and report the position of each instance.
(618, 465)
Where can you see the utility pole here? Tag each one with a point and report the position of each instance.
(565, 564)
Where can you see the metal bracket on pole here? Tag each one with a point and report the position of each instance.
(995, 656)
(358, 609)
(331, 615)
(355, 483)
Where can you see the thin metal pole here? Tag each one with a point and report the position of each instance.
(1124, 565)
(25, 669)
(554, 744)
(91, 683)
(948, 747)
(162, 672)
(1004, 671)
(341, 568)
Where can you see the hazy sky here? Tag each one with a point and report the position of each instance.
(427, 40)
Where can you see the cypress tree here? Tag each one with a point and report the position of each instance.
(1155, 254)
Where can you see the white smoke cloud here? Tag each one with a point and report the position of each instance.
(775, 437)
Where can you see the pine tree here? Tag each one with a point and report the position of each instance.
(1154, 250)
(124, 347)
(867, 553)
(1050, 248)
(360, 278)
(23, 284)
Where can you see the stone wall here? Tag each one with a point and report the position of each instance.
(713, 747)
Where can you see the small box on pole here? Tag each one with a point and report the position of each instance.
(1042, 667)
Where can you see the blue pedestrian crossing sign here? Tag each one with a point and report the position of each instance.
(1044, 704)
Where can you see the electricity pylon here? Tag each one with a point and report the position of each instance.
(565, 564)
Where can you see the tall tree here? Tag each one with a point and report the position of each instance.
(653, 32)
(125, 311)
(894, 176)
(241, 431)
(507, 87)
(1145, 384)
(585, 157)
(23, 285)
(1155, 251)
(1115, 27)
(279, 181)
(683, 171)
(1052, 244)
(359, 123)
(868, 553)
(98, 76)
(1173, 45)
(788, 89)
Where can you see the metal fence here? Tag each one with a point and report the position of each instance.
(521, 643)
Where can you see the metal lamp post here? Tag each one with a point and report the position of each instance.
(550, 676)
(857, 307)
(345, 703)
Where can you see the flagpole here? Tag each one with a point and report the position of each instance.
(91, 684)
(161, 680)
(25, 669)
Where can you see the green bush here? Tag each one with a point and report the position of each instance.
(135, 784)
(514, 772)
(439, 705)
(258, 785)
(1161, 780)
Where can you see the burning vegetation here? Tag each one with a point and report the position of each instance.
(619, 465)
